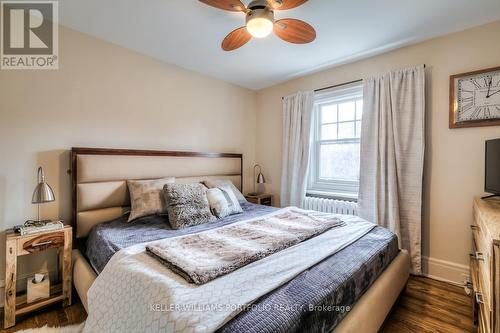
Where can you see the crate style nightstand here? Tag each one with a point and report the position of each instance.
(16, 246)
(260, 199)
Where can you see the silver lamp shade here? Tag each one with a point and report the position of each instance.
(261, 179)
(258, 179)
(43, 192)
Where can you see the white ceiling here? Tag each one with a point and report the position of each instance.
(188, 33)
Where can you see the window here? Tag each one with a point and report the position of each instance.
(335, 144)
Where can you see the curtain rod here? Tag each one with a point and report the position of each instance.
(337, 85)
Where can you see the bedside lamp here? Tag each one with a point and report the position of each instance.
(259, 179)
(43, 192)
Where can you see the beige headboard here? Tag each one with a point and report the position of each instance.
(99, 177)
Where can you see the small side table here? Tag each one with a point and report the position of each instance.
(16, 246)
(260, 199)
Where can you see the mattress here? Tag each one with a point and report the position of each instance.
(314, 301)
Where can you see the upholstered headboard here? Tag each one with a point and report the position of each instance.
(99, 177)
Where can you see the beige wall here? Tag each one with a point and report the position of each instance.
(107, 96)
(455, 158)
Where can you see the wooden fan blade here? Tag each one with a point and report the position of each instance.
(294, 31)
(285, 4)
(231, 5)
(236, 39)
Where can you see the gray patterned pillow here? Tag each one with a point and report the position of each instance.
(146, 197)
(223, 202)
(187, 205)
(225, 182)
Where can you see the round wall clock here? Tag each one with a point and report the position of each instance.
(475, 98)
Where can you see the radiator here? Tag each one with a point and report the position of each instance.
(331, 205)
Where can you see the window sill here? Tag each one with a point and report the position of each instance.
(332, 195)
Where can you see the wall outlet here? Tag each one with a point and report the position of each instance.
(467, 284)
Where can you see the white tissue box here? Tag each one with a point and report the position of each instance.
(38, 291)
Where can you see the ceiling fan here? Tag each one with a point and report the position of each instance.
(260, 22)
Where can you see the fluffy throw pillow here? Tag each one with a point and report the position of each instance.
(187, 205)
(146, 197)
(223, 202)
(225, 183)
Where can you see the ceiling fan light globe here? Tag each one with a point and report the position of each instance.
(260, 27)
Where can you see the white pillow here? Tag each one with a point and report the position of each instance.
(146, 197)
(223, 183)
(223, 202)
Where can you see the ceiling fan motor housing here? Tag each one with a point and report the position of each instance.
(258, 3)
(258, 11)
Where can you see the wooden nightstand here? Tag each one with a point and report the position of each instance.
(16, 246)
(261, 199)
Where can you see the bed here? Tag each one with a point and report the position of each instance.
(373, 270)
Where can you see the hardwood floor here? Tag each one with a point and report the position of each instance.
(425, 306)
(430, 306)
(53, 316)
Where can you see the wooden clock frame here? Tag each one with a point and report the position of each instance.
(471, 123)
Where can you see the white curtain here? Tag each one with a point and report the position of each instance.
(392, 156)
(297, 114)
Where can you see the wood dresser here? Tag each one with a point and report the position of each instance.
(485, 264)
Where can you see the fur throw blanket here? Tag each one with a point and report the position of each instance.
(202, 257)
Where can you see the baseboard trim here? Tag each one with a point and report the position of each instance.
(446, 271)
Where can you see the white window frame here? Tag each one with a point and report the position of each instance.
(316, 186)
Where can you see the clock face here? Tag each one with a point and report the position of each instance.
(478, 97)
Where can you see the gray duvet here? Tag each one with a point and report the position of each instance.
(314, 301)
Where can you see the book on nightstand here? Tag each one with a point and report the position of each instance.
(35, 228)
